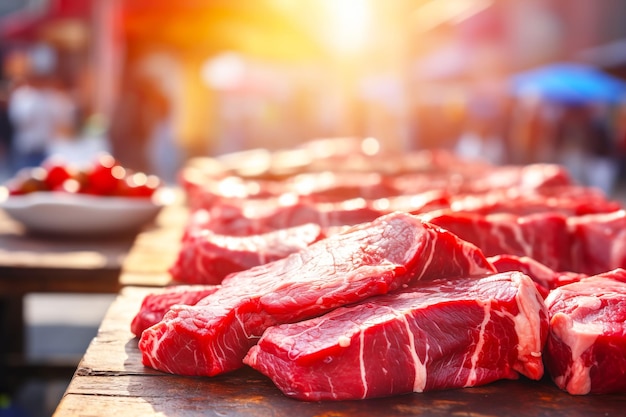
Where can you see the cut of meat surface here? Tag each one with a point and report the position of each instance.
(206, 257)
(543, 236)
(409, 341)
(487, 178)
(545, 278)
(261, 217)
(569, 200)
(599, 242)
(155, 305)
(586, 348)
(369, 259)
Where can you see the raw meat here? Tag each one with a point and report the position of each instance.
(155, 305)
(478, 179)
(331, 186)
(265, 217)
(400, 176)
(257, 216)
(436, 335)
(374, 258)
(206, 257)
(543, 236)
(545, 278)
(589, 244)
(599, 242)
(586, 348)
(570, 200)
(207, 179)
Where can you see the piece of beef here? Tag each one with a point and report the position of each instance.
(544, 237)
(316, 187)
(336, 186)
(249, 217)
(374, 258)
(206, 257)
(423, 202)
(437, 335)
(479, 179)
(599, 242)
(545, 278)
(586, 348)
(569, 200)
(156, 304)
(324, 175)
(263, 218)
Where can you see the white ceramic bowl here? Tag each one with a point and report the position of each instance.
(63, 213)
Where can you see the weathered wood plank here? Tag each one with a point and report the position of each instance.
(246, 392)
(110, 379)
(155, 249)
(143, 279)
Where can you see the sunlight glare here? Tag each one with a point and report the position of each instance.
(349, 22)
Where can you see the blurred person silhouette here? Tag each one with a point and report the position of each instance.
(40, 111)
(482, 138)
(6, 135)
(164, 156)
(619, 129)
(141, 108)
(602, 164)
(585, 147)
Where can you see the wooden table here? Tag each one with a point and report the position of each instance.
(110, 379)
(51, 264)
(38, 263)
(45, 264)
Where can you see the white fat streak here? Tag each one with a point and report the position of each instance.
(430, 258)
(243, 327)
(528, 322)
(579, 337)
(496, 230)
(475, 269)
(362, 362)
(473, 377)
(527, 325)
(419, 382)
(156, 343)
(576, 379)
(586, 335)
(580, 381)
(528, 248)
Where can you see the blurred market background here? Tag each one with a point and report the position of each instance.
(157, 82)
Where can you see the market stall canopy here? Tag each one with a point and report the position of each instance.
(568, 83)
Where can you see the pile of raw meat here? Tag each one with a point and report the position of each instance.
(341, 271)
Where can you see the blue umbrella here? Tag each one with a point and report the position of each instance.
(569, 83)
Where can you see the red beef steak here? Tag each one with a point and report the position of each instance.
(369, 259)
(545, 278)
(436, 335)
(586, 348)
(155, 305)
(542, 236)
(206, 257)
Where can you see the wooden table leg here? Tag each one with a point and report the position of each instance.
(11, 337)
